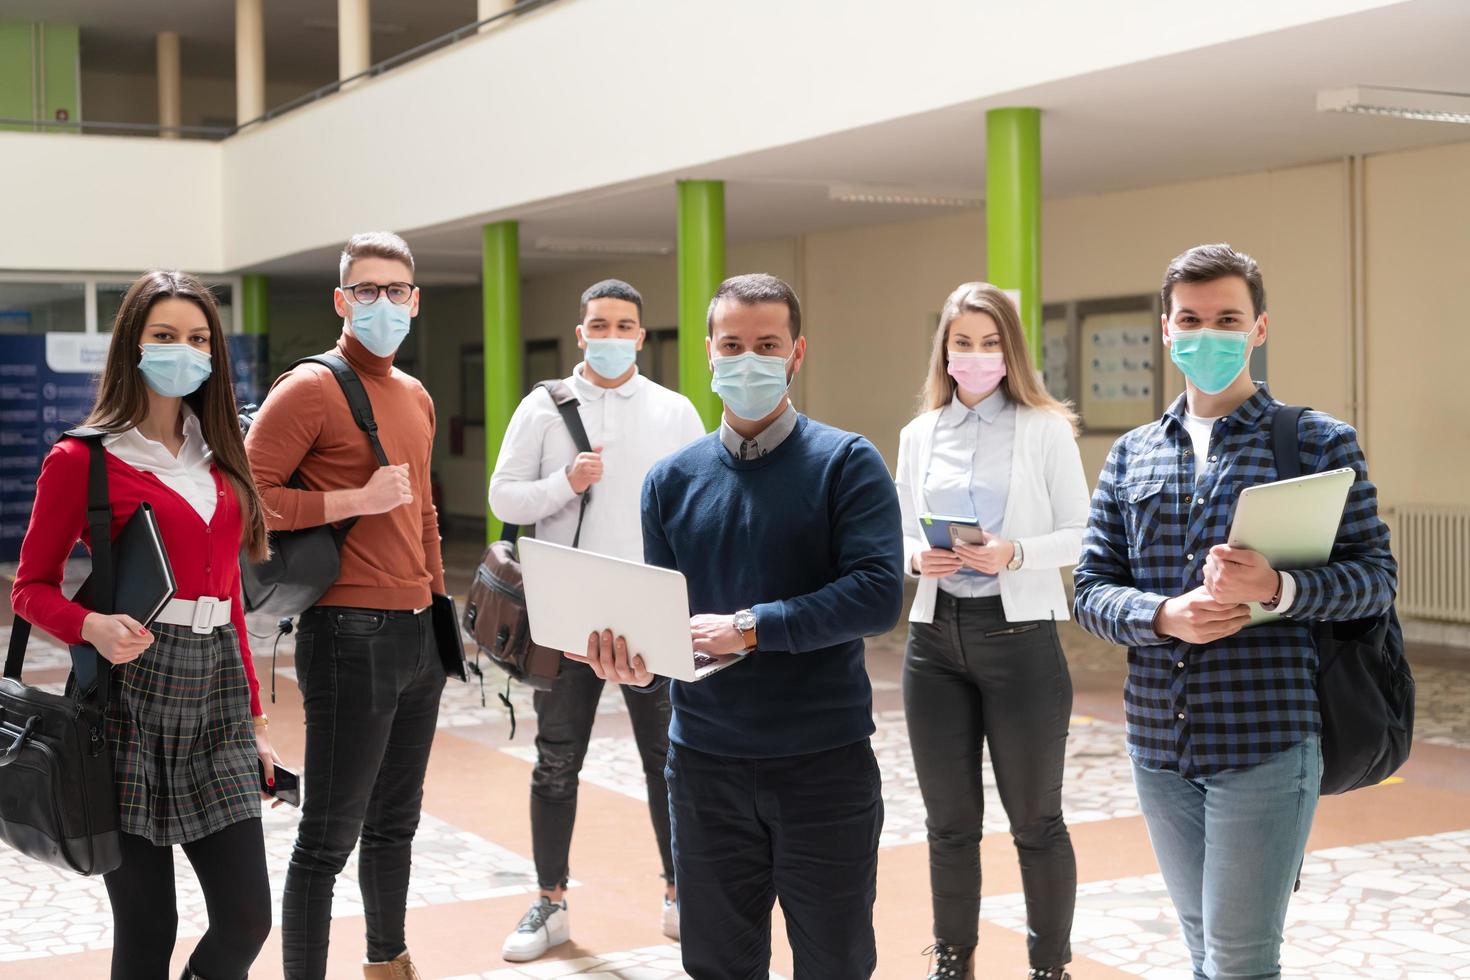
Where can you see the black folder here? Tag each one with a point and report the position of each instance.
(143, 584)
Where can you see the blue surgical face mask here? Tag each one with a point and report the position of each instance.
(751, 385)
(1211, 359)
(610, 357)
(380, 325)
(174, 370)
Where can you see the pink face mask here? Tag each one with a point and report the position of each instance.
(977, 372)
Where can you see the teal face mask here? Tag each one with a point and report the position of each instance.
(610, 357)
(751, 385)
(174, 370)
(380, 325)
(1211, 359)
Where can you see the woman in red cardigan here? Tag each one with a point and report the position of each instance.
(184, 720)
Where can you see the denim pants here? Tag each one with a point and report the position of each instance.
(799, 829)
(371, 681)
(564, 717)
(970, 678)
(1230, 847)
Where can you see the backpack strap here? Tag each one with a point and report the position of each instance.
(566, 404)
(362, 413)
(1286, 442)
(92, 672)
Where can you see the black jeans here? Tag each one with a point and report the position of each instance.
(230, 866)
(564, 717)
(371, 682)
(973, 676)
(802, 829)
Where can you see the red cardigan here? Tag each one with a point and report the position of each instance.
(205, 558)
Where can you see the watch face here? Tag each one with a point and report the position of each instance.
(744, 621)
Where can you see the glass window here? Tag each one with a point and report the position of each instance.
(43, 307)
(658, 361)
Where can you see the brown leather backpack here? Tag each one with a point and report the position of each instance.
(495, 610)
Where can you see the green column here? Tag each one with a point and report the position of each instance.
(502, 285)
(253, 302)
(40, 73)
(1013, 211)
(701, 270)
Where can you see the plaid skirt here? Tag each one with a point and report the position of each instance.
(183, 743)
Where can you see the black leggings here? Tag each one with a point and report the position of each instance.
(230, 866)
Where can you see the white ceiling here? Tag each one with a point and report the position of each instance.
(1244, 106)
(1233, 108)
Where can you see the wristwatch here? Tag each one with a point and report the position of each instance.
(1014, 565)
(745, 623)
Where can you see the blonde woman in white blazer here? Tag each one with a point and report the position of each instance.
(983, 663)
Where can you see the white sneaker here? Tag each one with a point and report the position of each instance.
(545, 925)
(670, 920)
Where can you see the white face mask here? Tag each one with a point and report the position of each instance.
(751, 385)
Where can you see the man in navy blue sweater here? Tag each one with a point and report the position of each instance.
(788, 532)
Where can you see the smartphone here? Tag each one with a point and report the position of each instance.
(965, 534)
(287, 788)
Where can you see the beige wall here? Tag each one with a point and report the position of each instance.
(870, 294)
(1418, 313)
(885, 283)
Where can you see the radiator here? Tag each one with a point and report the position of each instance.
(1434, 562)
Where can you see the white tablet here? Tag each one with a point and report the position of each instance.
(571, 594)
(1292, 522)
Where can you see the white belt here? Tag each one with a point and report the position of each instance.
(202, 615)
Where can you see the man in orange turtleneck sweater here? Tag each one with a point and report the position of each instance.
(366, 661)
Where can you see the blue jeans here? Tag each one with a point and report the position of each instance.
(1230, 847)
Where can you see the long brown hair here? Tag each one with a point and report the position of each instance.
(122, 396)
(1022, 382)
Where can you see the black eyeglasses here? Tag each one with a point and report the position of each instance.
(367, 292)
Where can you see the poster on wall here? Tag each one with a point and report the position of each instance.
(47, 385)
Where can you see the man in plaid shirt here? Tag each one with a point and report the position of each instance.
(1222, 721)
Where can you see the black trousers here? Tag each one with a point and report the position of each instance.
(230, 866)
(802, 829)
(371, 682)
(972, 677)
(564, 717)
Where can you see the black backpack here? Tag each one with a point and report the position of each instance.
(1364, 686)
(303, 564)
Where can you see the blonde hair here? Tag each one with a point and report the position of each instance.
(1022, 382)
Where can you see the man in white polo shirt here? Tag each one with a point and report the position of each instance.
(539, 479)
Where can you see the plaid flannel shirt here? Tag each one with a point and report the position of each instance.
(1201, 710)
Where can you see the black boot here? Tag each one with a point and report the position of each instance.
(951, 962)
(1051, 973)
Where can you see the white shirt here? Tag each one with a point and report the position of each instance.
(1199, 430)
(186, 474)
(969, 475)
(1046, 511)
(636, 424)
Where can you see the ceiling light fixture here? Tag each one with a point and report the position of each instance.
(899, 194)
(603, 246)
(1400, 103)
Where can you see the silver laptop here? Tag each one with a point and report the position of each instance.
(571, 594)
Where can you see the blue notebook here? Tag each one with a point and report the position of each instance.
(938, 528)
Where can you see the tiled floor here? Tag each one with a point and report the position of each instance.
(1385, 890)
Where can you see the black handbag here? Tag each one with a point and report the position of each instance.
(304, 564)
(1364, 687)
(58, 803)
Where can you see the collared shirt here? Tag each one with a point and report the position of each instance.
(1200, 710)
(969, 475)
(187, 474)
(635, 424)
(764, 441)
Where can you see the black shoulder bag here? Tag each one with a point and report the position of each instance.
(1364, 686)
(58, 803)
